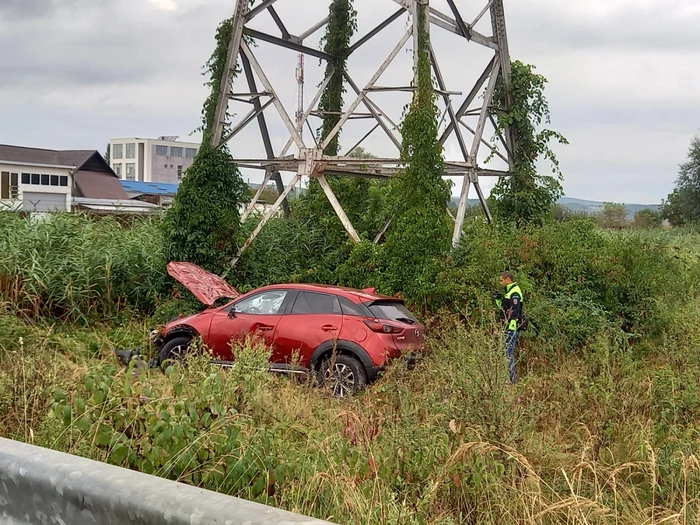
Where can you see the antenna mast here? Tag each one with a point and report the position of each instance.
(300, 94)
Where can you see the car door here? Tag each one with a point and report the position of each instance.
(256, 315)
(315, 318)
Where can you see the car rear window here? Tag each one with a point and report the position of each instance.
(350, 308)
(392, 311)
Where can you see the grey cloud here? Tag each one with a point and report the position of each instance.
(640, 26)
(20, 10)
(94, 69)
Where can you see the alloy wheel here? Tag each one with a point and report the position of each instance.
(342, 379)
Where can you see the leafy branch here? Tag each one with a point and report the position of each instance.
(527, 197)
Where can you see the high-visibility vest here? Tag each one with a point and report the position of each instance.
(510, 292)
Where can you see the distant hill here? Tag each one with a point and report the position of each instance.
(579, 205)
(570, 203)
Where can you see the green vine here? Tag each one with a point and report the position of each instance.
(342, 24)
(203, 225)
(420, 230)
(357, 196)
(214, 69)
(527, 197)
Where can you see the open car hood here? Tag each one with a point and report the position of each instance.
(206, 286)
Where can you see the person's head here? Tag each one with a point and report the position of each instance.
(506, 278)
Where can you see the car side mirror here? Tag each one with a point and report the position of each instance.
(232, 313)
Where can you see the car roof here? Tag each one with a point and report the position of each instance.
(361, 295)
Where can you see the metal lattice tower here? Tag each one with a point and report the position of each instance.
(309, 159)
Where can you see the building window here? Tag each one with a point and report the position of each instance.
(36, 178)
(179, 173)
(26, 178)
(161, 151)
(118, 151)
(131, 151)
(14, 185)
(131, 171)
(176, 152)
(45, 180)
(190, 153)
(54, 180)
(117, 169)
(63, 181)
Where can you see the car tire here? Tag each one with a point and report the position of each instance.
(344, 375)
(174, 350)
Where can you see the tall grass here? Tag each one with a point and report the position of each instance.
(73, 267)
(599, 438)
(600, 435)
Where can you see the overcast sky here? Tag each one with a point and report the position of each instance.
(623, 76)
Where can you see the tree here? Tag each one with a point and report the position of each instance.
(672, 209)
(107, 155)
(527, 197)
(614, 216)
(361, 153)
(647, 219)
(683, 205)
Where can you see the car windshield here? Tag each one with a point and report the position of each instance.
(392, 311)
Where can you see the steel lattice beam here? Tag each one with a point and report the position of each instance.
(309, 160)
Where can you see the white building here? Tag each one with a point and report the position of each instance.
(39, 180)
(164, 159)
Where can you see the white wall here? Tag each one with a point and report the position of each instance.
(152, 169)
(20, 168)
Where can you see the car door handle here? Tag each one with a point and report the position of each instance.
(264, 328)
(329, 328)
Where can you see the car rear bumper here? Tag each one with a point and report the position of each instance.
(411, 360)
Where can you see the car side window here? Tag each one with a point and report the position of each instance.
(264, 303)
(316, 303)
(349, 308)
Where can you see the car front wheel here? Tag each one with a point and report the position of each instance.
(343, 375)
(174, 350)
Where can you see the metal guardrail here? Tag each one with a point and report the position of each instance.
(42, 486)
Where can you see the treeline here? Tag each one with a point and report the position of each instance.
(614, 216)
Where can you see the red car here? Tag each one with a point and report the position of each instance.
(303, 324)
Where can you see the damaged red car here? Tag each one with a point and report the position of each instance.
(343, 336)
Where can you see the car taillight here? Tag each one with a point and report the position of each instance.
(382, 328)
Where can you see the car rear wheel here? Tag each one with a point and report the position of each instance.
(343, 375)
(174, 350)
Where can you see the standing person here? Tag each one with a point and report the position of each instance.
(511, 313)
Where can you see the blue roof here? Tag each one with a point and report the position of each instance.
(149, 188)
